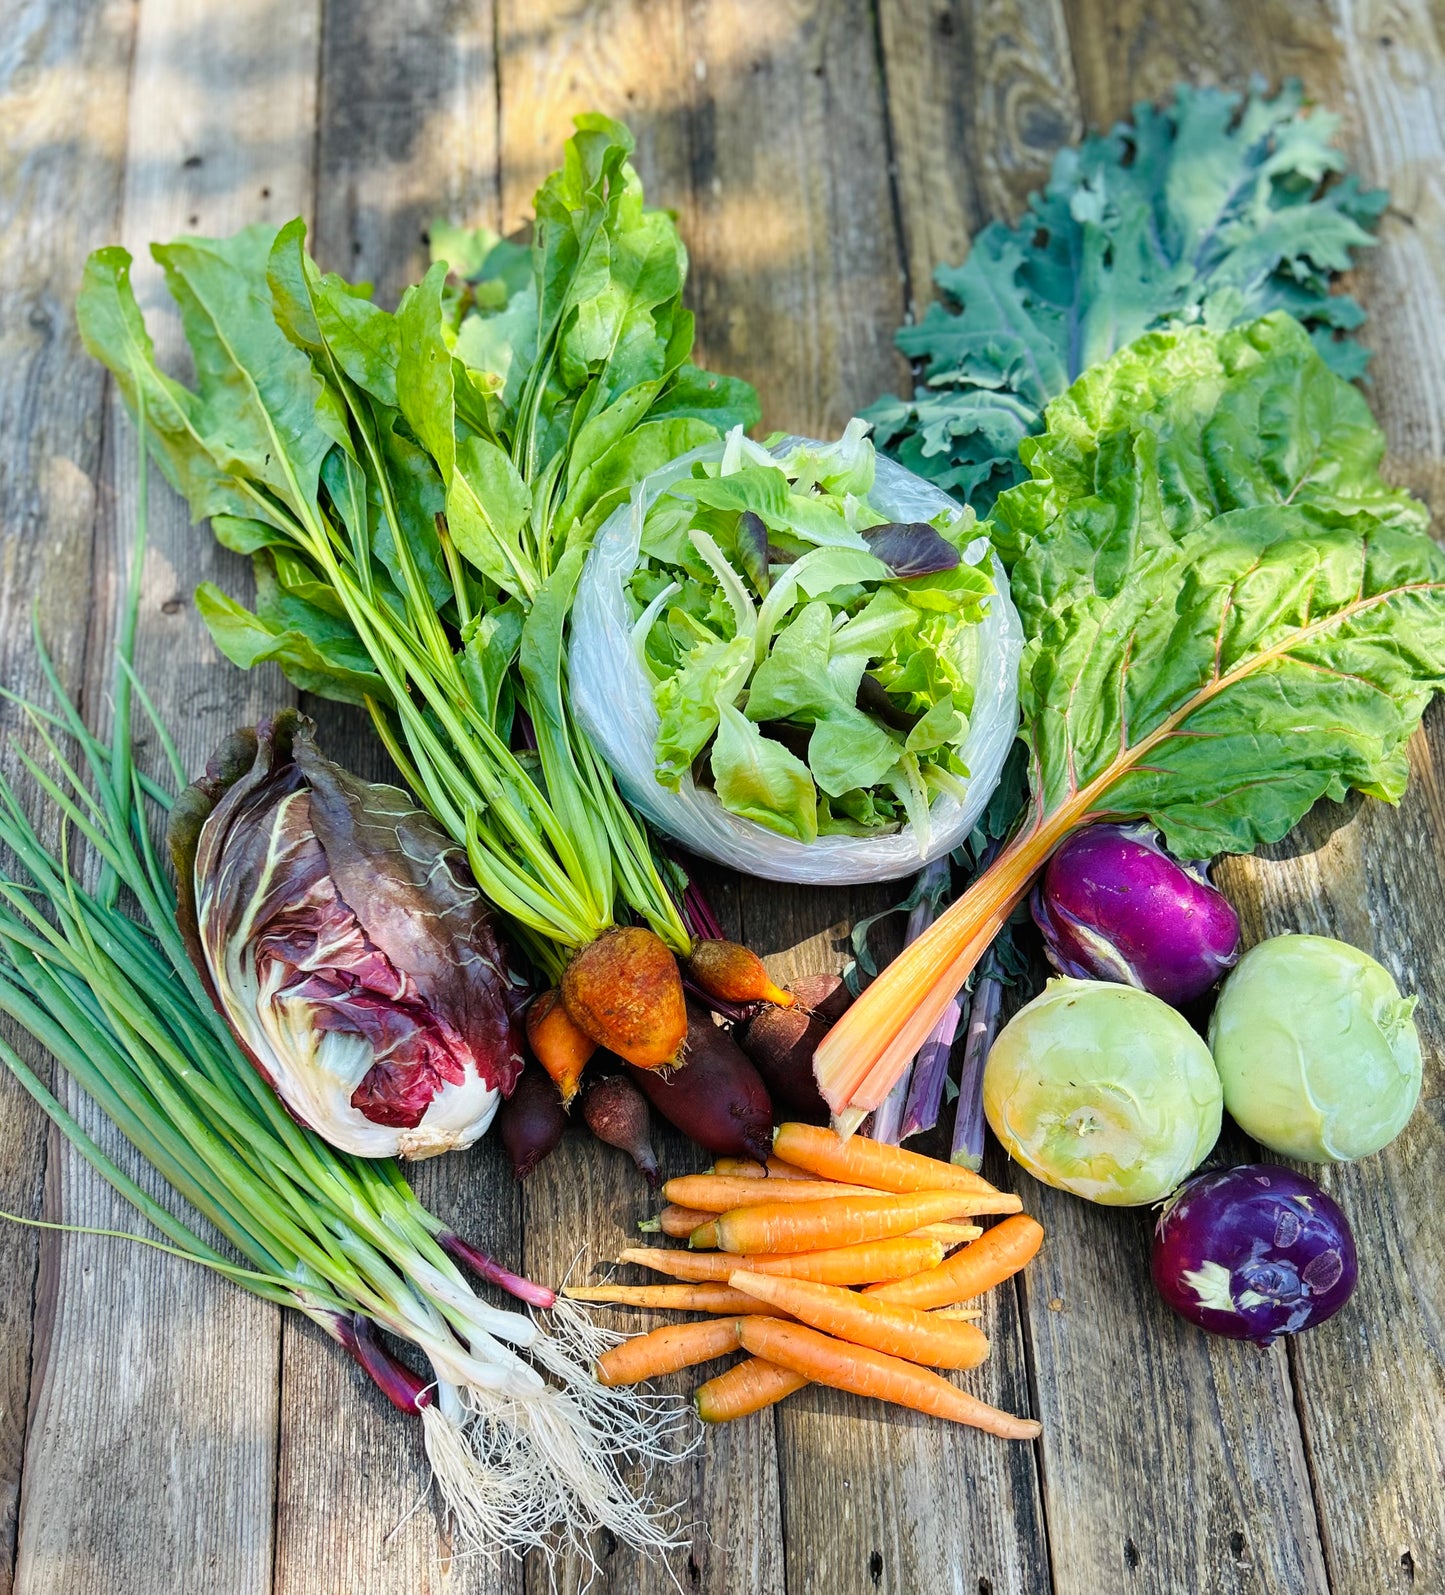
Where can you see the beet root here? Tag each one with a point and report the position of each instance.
(625, 992)
(716, 1098)
(826, 997)
(616, 1112)
(531, 1120)
(735, 973)
(781, 1043)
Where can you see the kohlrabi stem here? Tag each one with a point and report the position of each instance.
(983, 1018)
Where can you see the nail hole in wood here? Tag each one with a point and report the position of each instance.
(875, 1567)
(1131, 1555)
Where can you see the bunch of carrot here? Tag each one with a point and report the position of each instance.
(774, 1253)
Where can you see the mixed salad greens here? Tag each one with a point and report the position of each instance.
(812, 660)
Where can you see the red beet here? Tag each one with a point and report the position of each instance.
(781, 1042)
(531, 1120)
(715, 1097)
(616, 1113)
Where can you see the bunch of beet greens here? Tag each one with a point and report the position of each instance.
(418, 491)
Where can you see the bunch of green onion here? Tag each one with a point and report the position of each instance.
(522, 1459)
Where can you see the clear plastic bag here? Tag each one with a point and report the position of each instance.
(612, 697)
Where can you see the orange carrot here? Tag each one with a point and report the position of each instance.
(873, 1373)
(702, 1237)
(666, 1350)
(746, 1387)
(716, 1193)
(842, 1265)
(557, 1043)
(847, 1220)
(871, 1163)
(679, 1222)
(744, 1168)
(703, 1298)
(865, 1321)
(1003, 1250)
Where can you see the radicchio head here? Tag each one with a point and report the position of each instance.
(345, 945)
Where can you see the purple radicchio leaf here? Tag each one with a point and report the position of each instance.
(911, 548)
(360, 970)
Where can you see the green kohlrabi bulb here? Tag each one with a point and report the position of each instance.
(1103, 1090)
(1315, 1045)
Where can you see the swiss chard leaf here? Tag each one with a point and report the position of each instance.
(1214, 209)
(1230, 614)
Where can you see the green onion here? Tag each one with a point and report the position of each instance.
(527, 1450)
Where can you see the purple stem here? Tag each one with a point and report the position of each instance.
(405, 1390)
(734, 1012)
(491, 1270)
(982, 1026)
(524, 734)
(698, 913)
(888, 1119)
(930, 1070)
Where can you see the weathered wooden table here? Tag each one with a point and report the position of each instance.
(159, 1430)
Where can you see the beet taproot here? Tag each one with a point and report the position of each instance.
(616, 1112)
(531, 1120)
(624, 990)
(716, 1098)
(781, 1043)
(557, 1043)
(735, 973)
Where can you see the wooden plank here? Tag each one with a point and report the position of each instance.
(913, 1504)
(797, 269)
(1233, 1507)
(354, 1510)
(1130, 50)
(151, 1456)
(1371, 1384)
(979, 99)
(634, 60)
(405, 133)
(62, 121)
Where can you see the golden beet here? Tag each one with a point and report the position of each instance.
(557, 1043)
(731, 971)
(625, 992)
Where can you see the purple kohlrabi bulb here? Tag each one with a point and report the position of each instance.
(1113, 905)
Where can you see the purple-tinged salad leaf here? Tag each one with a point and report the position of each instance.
(912, 548)
(336, 928)
(1114, 905)
(1254, 1253)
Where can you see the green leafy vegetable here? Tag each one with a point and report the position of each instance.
(418, 491)
(1215, 209)
(1229, 616)
(811, 659)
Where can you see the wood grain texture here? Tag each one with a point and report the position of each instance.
(62, 116)
(151, 1455)
(912, 1504)
(1370, 1385)
(979, 99)
(797, 266)
(1131, 50)
(406, 133)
